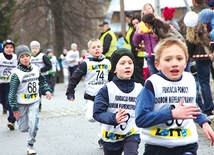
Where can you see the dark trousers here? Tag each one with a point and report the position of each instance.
(130, 147)
(72, 69)
(138, 70)
(4, 91)
(51, 81)
(190, 149)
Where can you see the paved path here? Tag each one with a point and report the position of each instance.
(63, 130)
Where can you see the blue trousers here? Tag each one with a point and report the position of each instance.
(203, 69)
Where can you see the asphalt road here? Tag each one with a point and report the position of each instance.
(63, 130)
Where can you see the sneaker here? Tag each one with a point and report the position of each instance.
(11, 126)
(100, 142)
(30, 150)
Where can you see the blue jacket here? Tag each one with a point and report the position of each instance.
(101, 102)
(146, 119)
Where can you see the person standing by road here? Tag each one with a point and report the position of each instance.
(203, 63)
(108, 39)
(24, 96)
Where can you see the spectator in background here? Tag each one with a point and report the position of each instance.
(108, 39)
(72, 58)
(120, 40)
(138, 53)
(127, 42)
(168, 14)
(144, 36)
(161, 29)
(203, 64)
(64, 63)
(51, 79)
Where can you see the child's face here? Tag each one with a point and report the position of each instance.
(35, 50)
(172, 62)
(124, 68)
(8, 49)
(25, 59)
(65, 51)
(135, 23)
(74, 48)
(50, 54)
(96, 49)
(147, 9)
(83, 54)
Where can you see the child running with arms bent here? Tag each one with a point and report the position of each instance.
(114, 107)
(24, 94)
(95, 70)
(166, 108)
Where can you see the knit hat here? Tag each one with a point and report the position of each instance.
(34, 43)
(8, 41)
(48, 51)
(22, 49)
(73, 45)
(191, 19)
(206, 15)
(168, 13)
(115, 57)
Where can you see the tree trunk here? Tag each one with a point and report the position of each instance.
(58, 27)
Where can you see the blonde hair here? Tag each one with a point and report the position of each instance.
(144, 7)
(93, 40)
(192, 35)
(166, 43)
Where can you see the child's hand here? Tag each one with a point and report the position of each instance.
(187, 111)
(16, 114)
(121, 115)
(208, 132)
(48, 95)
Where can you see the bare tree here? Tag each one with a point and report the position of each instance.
(6, 12)
(58, 23)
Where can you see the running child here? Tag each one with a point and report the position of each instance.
(114, 107)
(24, 96)
(166, 108)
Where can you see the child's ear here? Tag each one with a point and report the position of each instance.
(157, 65)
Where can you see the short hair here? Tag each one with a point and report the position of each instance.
(166, 43)
(73, 45)
(93, 40)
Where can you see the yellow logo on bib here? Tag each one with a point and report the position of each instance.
(170, 132)
(29, 96)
